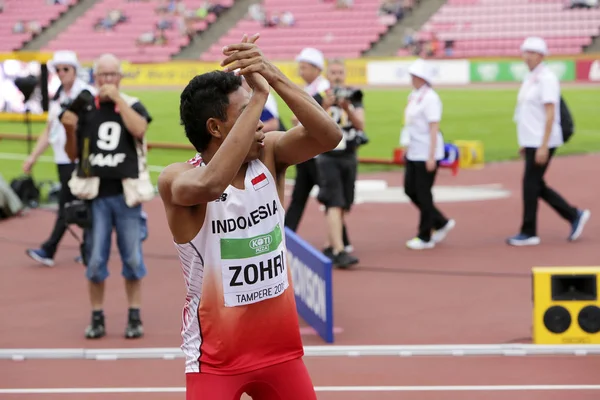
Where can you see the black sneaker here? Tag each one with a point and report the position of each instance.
(95, 330)
(134, 329)
(328, 252)
(344, 260)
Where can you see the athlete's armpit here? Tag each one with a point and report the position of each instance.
(184, 221)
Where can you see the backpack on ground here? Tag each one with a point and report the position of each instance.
(10, 204)
(26, 189)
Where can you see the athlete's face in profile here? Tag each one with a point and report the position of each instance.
(238, 101)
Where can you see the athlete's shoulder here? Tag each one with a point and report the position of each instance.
(170, 173)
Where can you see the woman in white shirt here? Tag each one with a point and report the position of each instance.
(424, 149)
(539, 131)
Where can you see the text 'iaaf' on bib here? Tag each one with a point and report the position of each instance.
(253, 269)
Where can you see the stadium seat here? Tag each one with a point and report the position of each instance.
(338, 33)
(121, 40)
(498, 27)
(26, 10)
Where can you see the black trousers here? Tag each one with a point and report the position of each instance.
(65, 196)
(417, 186)
(534, 187)
(306, 178)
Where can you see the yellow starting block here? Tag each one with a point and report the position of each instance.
(470, 154)
(566, 309)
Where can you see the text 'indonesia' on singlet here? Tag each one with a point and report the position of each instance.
(240, 311)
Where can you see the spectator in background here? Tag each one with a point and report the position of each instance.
(256, 12)
(287, 19)
(392, 7)
(449, 48)
(341, 4)
(311, 63)
(424, 144)
(539, 133)
(66, 65)
(113, 177)
(583, 4)
(410, 38)
(337, 168)
(112, 19)
(19, 27)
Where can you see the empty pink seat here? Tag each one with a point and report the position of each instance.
(336, 32)
(498, 27)
(26, 11)
(121, 40)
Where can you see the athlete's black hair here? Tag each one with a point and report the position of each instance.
(206, 96)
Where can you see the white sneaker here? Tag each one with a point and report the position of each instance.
(440, 234)
(418, 244)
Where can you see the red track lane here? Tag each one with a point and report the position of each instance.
(326, 371)
(471, 289)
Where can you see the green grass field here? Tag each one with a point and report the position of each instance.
(469, 114)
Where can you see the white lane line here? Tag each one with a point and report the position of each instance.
(465, 388)
(445, 350)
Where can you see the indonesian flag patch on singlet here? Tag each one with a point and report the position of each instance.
(260, 181)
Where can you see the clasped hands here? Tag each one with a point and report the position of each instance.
(246, 59)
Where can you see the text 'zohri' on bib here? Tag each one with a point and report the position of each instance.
(253, 269)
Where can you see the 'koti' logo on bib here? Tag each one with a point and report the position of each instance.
(261, 244)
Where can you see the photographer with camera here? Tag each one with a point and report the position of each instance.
(337, 169)
(311, 63)
(66, 65)
(107, 134)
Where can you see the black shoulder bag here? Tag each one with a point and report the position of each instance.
(566, 121)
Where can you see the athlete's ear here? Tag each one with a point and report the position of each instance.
(213, 126)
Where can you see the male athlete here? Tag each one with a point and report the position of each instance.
(240, 325)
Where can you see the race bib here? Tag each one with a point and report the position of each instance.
(253, 269)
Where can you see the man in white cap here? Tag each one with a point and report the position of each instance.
(539, 131)
(311, 63)
(65, 64)
(424, 149)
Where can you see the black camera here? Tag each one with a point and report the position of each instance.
(361, 138)
(347, 93)
(81, 102)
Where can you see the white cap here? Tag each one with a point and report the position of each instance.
(64, 57)
(312, 56)
(535, 44)
(421, 69)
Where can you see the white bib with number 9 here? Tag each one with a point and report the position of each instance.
(109, 134)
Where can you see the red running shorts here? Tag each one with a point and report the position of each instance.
(285, 381)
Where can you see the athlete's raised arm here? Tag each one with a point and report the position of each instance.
(181, 185)
(318, 132)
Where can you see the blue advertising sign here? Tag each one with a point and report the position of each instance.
(312, 281)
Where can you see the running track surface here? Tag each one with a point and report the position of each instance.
(472, 289)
